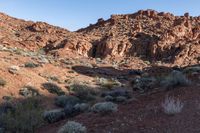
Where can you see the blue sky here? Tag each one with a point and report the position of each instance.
(75, 14)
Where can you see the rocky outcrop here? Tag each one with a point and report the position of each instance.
(148, 34)
(35, 36)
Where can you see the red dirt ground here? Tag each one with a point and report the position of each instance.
(144, 115)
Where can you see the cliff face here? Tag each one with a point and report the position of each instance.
(149, 34)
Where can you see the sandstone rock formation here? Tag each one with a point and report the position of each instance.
(152, 35)
(148, 34)
(34, 36)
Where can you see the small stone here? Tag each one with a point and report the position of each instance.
(13, 69)
(43, 60)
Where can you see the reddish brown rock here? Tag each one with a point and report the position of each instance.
(187, 15)
(147, 33)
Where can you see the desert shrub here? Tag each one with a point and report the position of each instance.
(18, 51)
(117, 92)
(29, 91)
(2, 130)
(30, 65)
(118, 95)
(174, 79)
(54, 78)
(69, 110)
(172, 106)
(82, 107)
(144, 83)
(109, 98)
(54, 115)
(108, 83)
(120, 99)
(72, 127)
(6, 107)
(84, 92)
(53, 88)
(25, 118)
(64, 100)
(191, 69)
(2, 82)
(104, 107)
(7, 98)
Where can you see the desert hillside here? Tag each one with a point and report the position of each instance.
(132, 73)
(154, 36)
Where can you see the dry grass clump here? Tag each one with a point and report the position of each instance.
(172, 106)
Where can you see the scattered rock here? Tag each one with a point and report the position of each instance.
(2, 82)
(29, 91)
(13, 69)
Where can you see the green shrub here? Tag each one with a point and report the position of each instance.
(144, 84)
(109, 98)
(73, 110)
(25, 118)
(108, 83)
(117, 92)
(63, 100)
(30, 65)
(7, 98)
(120, 99)
(83, 92)
(2, 130)
(69, 110)
(81, 107)
(54, 115)
(174, 79)
(191, 69)
(73, 127)
(2, 82)
(53, 88)
(54, 78)
(104, 107)
(6, 107)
